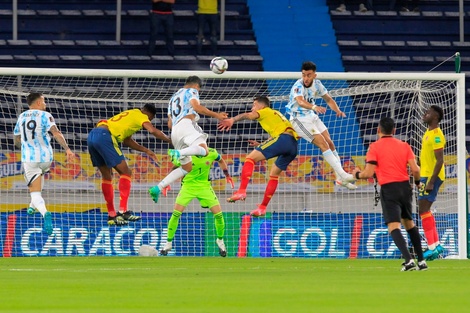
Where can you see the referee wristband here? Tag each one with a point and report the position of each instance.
(357, 175)
(417, 182)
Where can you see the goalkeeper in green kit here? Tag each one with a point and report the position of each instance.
(197, 185)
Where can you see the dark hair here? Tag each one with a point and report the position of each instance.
(193, 80)
(308, 65)
(387, 124)
(150, 108)
(264, 100)
(439, 111)
(32, 97)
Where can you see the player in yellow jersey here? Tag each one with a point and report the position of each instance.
(104, 148)
(432, 176)
(281, 144)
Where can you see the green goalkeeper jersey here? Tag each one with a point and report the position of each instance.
(200, 173)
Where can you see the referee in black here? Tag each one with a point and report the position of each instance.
(389, 159)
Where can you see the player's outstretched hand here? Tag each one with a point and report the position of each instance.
(230, 181)
(225, 124)
(340, 114)
(152, 155)
(222, 115)
(165, 190)
(320, 110)
(253, 143)
(70, 155)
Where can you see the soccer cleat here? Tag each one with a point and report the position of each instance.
(440, 250)
(407, 267)
(175, 156)
(430, 255)
(31, 211)
(237, 196)
(155, 193)
(422, 266)
(48, 223)
(222, 249)
(129, 216)
(117, 220)
(260, 211)
(348, 178)
(166, 248)
(347, 185)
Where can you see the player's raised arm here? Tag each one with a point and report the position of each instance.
(200, 109)
(226, 124)
(333, 105)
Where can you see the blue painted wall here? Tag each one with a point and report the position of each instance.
(289, 32)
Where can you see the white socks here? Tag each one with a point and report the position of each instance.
(193, 150)
(38, 203)
(333, 159)
(172, 177)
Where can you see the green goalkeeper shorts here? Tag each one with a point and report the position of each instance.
(206, 196)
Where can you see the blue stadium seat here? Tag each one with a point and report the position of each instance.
(81, 31)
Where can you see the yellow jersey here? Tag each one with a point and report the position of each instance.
(274, 123)
(125, 124)
(432, 140)
(207, 7)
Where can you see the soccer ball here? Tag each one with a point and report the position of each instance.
(219, 65)
(146, 250)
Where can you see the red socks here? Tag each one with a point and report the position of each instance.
(247, 171)
(270, 189)
(429, 227)
(108, 193)
(124, 192)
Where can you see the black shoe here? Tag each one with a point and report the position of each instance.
(222, 249)
(422, 266)
(117, 220)
(410, 266)
(166, 248)
(129, 216)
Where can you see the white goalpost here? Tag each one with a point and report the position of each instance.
(309, 216)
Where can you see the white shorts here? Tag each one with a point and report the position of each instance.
(33, 170)
(187, 133)
(307, 127)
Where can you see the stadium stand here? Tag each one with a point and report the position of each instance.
(388, 41)
(83, 34)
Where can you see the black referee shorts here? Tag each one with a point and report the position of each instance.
(396, 200)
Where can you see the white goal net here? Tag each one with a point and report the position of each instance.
(309, 216)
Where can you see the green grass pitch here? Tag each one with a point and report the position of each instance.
(210, 284)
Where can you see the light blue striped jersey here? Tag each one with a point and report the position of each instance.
(317, 90)
(180, 105)
(33, 126)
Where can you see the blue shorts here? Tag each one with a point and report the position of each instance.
(284, 147)
(103, 148)
(431, 197)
